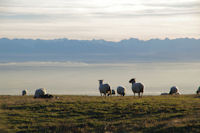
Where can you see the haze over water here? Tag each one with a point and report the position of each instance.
(77, 78)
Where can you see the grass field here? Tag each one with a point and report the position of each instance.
(164, 114)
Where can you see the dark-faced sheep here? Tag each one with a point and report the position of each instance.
(39, 93)
(113, 92)
(104, 88)
(121, 90)
(24, 92)
(47, 96)
(137, 87)
(174, 90)
(42, 93)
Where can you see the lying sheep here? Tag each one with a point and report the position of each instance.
(42, 93)
(137, 87)
(24, 92)
(164, 93)
(104, 88)
(174, 90)
(121, 90)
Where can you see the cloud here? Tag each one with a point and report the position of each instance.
(90, 9)
(92, 17)
(39, 64)
(189, 4)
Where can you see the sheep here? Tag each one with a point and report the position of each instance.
(24, 92)
(174, 90)
(113, 92)
(137, 87)
(39, 93)
(198, 91)
(164, 93)
(121, 90)
(47, 96)
(104, 88)
(42, 93)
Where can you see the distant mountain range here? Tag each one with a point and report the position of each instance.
(130, 50)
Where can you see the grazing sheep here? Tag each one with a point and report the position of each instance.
(47, 96)
(104, 88)
(24, 92)
(113, 92)
(121, 90)
(39, 93)
(198, 91)
(137, 87)
(174, 90)
(164, 93)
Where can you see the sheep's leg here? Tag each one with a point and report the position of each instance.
(139, 94)
(134, 94)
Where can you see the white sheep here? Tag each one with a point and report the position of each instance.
(198, 90)
(137, 87)
(39, 93)
(104, 88)
(121, 90)
(174, 90)
(24, 92)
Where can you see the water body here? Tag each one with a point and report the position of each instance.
(77, 78)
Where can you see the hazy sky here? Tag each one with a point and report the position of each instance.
(100, 19)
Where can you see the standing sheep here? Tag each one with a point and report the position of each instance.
(137, 87)
(198, 91)
(174, 90)
(24, 92)
(104, 88)
(121, 90)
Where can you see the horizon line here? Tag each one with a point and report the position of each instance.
(166, 38)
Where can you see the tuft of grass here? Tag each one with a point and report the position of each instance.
(156, 114)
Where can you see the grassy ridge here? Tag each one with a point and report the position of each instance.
(99, 114)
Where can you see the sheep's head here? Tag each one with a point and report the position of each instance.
(101, 81)
(132, 80)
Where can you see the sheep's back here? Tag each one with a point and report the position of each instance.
(120, 90)
(137, 87)
(40, 92)
(104, 88)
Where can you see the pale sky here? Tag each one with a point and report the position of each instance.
(99, 19)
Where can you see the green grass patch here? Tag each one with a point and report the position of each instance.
(161, 114)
